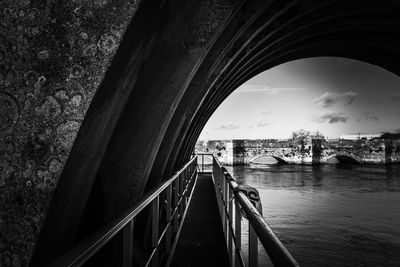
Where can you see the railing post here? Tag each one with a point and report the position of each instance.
(168, 219)
(182, 197)
(127, 253)
(124, 224)
(195, 167)
(223, 203)
(230, 223)
(176, 208)
(226, 199)
(253, 247)
(226, 189)
(222, 193)
(184, 184)
(187, 184)
(154, 229)
(216, 184)
(238, 234)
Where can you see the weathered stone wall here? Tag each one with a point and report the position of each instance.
(240, 152)
(53, 55)
(395, 156)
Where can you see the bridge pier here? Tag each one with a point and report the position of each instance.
(388, 151)
(316, 151)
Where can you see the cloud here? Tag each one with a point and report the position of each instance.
(366, 116)
(329, 99)
(227, 126)
(331, 117)
(249, 88)
(266, 112)
(263, 123)
(396, 97)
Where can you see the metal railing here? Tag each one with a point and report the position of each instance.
(174, 195)
(205, 162)
(233, 202)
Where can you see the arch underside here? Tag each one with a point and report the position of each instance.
(345, 159)
(176, 79)
(280, 160)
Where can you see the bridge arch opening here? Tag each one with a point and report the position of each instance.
(342, 159)
(267, 160)
(141, 127)
(325, 94)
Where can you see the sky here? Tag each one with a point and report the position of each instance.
(335, 96)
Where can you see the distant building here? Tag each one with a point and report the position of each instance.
(355, 136)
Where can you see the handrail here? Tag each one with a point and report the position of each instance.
(279, 255)
(183, 181)
(202, 155)
(228, 194)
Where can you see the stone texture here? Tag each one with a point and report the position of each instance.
(53, 55)
(238, 152)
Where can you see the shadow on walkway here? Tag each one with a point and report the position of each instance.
(201, 242)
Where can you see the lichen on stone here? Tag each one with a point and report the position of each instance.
(49, 109)
(53, 56)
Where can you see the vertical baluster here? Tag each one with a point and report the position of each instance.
(188, 174)
(230, 205)
(221, 186)
(187, 179)
(223, 205)
(218, 188)
(215, 177)
(195, 172)
(127, 253)
(154, 229)
(238, 233)
(227, 210)
(213, 166)
(219, 183)
(184, 184)
(168, 219)
(190, 181)
(253, 247)
(226, 199)
(175, 220)
(182, 198)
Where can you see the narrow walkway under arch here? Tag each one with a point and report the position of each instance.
(176, 64)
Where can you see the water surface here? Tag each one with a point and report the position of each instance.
(331, 215)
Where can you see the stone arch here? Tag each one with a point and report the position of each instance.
(178, 61)
(279, 159)
(345, 159)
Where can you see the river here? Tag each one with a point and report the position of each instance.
(331, 215)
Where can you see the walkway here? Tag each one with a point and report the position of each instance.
(201, 242)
